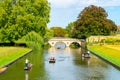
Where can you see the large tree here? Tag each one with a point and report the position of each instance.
(93, 21)
(58, 31)
(69, 28)
(19, 17)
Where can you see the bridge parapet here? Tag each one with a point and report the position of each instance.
(67, 41)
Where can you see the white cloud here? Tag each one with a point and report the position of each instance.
(83, 3)
(62, 3)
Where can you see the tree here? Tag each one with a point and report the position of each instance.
(58, 31)
(33, 40)
(70, 28)
(93, 21)
(49, 34)
(19, 17)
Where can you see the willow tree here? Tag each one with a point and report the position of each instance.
(19, 17)
(93, 21)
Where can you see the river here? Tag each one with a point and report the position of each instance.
(69, 65)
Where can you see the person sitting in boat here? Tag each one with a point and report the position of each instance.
(88, 52)
(52, 58)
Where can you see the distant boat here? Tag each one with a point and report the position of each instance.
(58, 47)
(52, 60)
(85, 55)
(29, 67)
(3, 69)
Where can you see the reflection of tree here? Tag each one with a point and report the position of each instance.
(97, 61)
(16, 70)
(78, 60)
(81, 61)
(83, 50)
(38, 69)
(93, 61)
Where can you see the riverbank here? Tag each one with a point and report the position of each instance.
(10, 54)
(110, 53)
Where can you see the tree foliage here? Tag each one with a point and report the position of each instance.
(32, 39)
(69, 28)
(93, 21)
(58, 31)
(19, 17)
(49, 33)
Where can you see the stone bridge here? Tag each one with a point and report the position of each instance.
(67, 41)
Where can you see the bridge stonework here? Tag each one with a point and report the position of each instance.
(67, 41)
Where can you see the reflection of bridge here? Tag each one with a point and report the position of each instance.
(67, 41)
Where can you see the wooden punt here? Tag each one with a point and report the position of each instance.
(3, 69)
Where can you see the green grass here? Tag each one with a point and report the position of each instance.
(109, 52)
(8, 54)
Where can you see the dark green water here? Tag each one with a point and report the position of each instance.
(69, 66)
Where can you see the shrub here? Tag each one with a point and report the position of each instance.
(33, 40)
(112, 41)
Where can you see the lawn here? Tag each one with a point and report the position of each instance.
(9, 54)
(109, 52)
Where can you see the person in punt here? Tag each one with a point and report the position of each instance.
(26, 63)
(52, 58)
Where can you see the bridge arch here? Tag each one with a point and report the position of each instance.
(76, 44)
(67, 41)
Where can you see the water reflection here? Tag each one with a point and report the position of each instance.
(16, 71)
(69, 65)
(26, 75)
(86, 60)
(60, 45)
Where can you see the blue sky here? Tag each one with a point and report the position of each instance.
(65, 11)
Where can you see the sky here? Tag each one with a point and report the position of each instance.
(65, 11)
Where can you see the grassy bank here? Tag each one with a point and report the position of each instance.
(108, 52)
(9, 54)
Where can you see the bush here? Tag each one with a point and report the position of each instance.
(111, 40)
(33, 40)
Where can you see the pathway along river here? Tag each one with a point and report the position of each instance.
(69, 66)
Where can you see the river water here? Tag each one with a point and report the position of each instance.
(69, 65)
